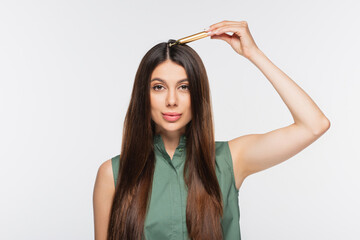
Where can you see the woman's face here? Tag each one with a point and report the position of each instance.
(170, 98)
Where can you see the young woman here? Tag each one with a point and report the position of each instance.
(172, 179)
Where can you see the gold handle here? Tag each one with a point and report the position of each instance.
(190, 38)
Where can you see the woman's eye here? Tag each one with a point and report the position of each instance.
(157, 87)
(186, 86)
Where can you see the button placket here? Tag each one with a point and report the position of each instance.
(176, 184)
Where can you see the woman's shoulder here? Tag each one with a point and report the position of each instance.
(105, 174)
(222, 152)
(222, 147)
(104, 188)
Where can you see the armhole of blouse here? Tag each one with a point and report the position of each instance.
(115, 169)
(230, 162)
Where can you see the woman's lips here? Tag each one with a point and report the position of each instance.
(171, 118)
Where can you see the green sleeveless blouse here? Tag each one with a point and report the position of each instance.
(166, 216)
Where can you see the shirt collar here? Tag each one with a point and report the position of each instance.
(159, 143)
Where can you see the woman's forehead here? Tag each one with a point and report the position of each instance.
(169, 71)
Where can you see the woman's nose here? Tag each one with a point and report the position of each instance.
(171, 97)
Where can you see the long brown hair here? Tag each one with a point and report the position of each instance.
(133, 189)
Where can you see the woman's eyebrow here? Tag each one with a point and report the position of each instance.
(161, 80)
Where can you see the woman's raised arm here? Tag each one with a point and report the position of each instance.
(255, 152)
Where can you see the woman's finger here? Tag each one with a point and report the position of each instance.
(226, 23)
(223, 36)
(222, 23)
(221, 30)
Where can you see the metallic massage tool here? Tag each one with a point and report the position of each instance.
(190, 38)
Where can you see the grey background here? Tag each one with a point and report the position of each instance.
(67, 69)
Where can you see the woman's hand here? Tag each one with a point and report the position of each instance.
(241, 40)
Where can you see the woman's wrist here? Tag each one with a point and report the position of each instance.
(254, 53)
